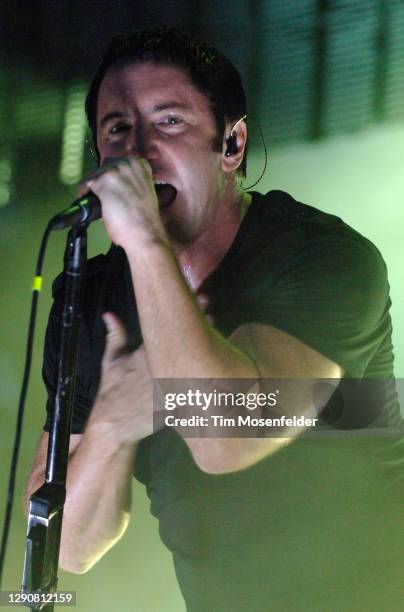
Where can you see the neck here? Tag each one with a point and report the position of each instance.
(201, 257)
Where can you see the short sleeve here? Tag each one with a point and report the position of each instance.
(331, 293)
(82, 401)
(91, 345)
(49, 365)
(107, 288)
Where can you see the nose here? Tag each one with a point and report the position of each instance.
(135, 144)
(142, 143)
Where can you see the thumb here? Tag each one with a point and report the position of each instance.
(116, 337)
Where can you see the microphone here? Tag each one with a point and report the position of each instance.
(83, 210)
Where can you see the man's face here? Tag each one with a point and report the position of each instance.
(156, 112)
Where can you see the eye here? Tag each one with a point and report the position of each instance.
(119, 127)
(171, 120)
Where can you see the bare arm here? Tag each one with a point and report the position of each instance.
(193, 348)
(98, 487)
(98, 500)
(296, 367)
(179, 340)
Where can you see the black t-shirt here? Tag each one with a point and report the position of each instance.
(283, 533)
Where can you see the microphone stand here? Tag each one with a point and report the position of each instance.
(40, 579)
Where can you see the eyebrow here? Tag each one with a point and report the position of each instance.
(170, 105)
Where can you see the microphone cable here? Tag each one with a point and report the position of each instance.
(261, 133)
(36, 288)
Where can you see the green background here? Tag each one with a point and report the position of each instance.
(356, 176)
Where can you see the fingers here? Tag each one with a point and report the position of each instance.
(116, 341)
(130, 167)
(85, 184)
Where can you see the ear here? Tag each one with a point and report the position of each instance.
(238, 132)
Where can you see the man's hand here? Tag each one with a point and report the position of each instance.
(125, 398)
(130, 208)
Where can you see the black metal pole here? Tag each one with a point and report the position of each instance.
(46, 504)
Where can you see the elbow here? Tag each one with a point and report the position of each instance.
(78, 556)
(218, 467)
(74, 563)
(74, 567)
(215, 460)
(217, 470)
(217, 456)
(75, 560)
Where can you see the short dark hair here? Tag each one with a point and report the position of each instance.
(209, 70)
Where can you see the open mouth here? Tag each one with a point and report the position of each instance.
(165, 194)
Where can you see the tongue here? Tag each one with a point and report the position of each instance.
(165, 194)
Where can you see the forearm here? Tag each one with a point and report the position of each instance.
(179, 341)
(98, 498)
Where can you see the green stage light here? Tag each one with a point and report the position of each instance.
(73, 138)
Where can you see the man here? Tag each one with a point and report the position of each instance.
(228, 285)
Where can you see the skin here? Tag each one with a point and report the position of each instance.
(170, 253)
(175, 144)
